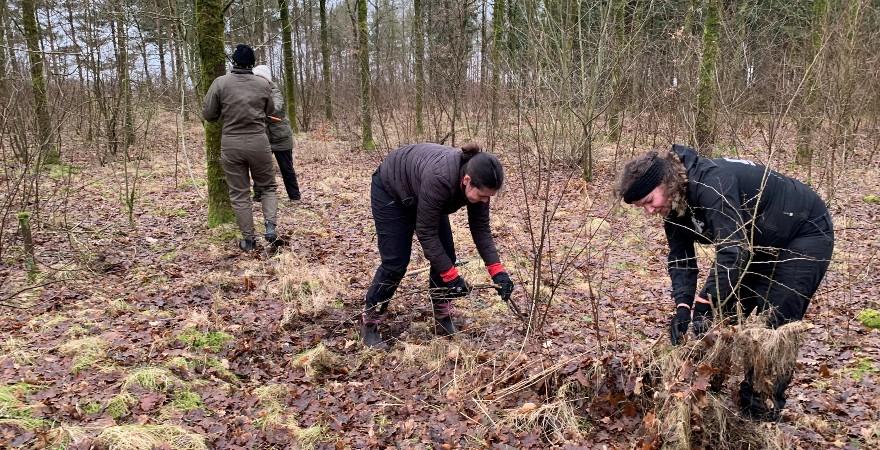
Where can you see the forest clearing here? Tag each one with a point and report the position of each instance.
(131, 317)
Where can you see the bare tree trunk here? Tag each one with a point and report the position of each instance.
(704, 126)
(325, 63)
(497, 42)
(287, 57)
(419, 44)
(48, 147)
(364, 63)
(209, 30)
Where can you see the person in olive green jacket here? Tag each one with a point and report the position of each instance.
(280, 138)
(243, 102)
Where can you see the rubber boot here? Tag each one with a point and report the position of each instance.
(370, 328)
(247, 245)
(271, 233)
(443, 325)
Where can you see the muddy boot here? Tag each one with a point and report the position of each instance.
(443, 325)
(753, 406)
(247, 245)
(271, 233)
(370, 328)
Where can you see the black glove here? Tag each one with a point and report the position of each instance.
(702, 318)
(505, 285)
(456, 288)
(678, 328)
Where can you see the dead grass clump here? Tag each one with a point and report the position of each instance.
(18, 350)
(272, 414)
(64, 436)
(307, 290)
(157, 379)
(772, 353)
(148, 437)
(310, 437)
(436, 354)
(86, 352)
(683, 381)
(319, 361)
(556, 420)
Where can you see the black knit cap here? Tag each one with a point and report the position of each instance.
(243, 57)
(646, 183)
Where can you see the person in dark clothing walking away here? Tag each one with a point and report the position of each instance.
(280, 138)
(243, 101)
(773, 237)
(413, 191)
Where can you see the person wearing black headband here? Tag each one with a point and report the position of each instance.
(773, 237)
(413, 191)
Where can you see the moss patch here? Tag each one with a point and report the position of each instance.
(870, 318)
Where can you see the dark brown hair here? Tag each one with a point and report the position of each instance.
(484, 168)
(674, 177)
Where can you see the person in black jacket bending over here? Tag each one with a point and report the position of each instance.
(773, 237)
(414, 190)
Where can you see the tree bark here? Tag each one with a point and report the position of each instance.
(704, 126)
(212, 59)
(325, 63)
(48, 147)
(419, 46)
(364, 62)
(287, 57)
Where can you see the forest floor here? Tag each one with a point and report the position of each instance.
(158, 332)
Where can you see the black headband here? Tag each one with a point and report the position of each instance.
(646, 183)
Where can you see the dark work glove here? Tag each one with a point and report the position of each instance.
(702, 318)
(678, 328)
(505, 285)
(456, 288)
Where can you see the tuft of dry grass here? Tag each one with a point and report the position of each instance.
(306, 290)
(556, 419)
(64, 436)
(148, 437)
(157, 379)
(18, 350)
(682, 376)
(772, 353)
(436, 354)
(86, 352)
(319, 361)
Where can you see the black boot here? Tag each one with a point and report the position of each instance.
(443, 324)
(247, 245)
(271, 233)
(753, 406)
(370, 328)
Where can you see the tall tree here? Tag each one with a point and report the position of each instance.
(704, 126)
(364, 63)
(48, 148)
(325, 62)
(289, 76)
(497, 44)
(419, 46)
(212, 59)
(122, 70)
(807, 120)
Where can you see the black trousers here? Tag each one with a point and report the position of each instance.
(786, 279)
(285, 164)
(395, 227)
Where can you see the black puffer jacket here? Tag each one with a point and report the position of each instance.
(740, 207)
(428, 177)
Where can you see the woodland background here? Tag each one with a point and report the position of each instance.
(130, 320)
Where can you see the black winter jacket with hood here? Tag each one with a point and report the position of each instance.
(427, 177)
(740, 207)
